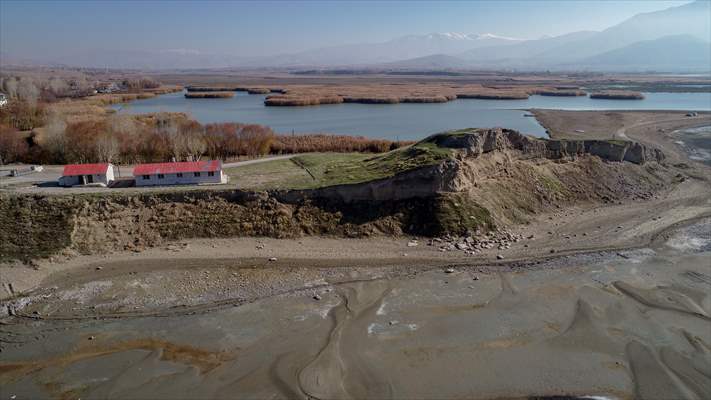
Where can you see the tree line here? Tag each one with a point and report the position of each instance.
(163, 137)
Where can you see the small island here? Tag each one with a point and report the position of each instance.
(209, 95)
(617, 95)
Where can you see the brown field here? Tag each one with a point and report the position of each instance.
(95, 107)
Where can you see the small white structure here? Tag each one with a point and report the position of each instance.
(86, 174)
(3, 99)
(180, 173)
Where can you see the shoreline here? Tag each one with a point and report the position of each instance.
(391, 271)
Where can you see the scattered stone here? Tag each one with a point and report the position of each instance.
(499, 257)
(273, 259)
(476, 278)
(260, 246)
(552, 251)
(98, 268)
(392, 322)
(449, 270)
(412, 243)
(317, 297)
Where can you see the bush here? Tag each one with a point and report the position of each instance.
(13, 146)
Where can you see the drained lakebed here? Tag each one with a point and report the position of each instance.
(621, 324)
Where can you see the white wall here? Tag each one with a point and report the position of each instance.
(98, 178)
(188, 178)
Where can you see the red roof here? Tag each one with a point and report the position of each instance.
(85, 169)
(175, 167)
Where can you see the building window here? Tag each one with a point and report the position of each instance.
(180, 174)
(197, 174)
(211, 173)
(146, 177)
(161, 176)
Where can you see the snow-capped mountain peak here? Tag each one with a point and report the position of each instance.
(462, 36)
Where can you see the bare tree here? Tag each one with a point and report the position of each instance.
(11, 87)
(27, 91)
(107, 147)
(58, 86)
(55, 138)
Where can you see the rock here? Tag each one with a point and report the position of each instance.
(273, 259)
(317, 297)
(98, 268)
(476, 278)
(552, 251)
(412, 243)
(499, 257)
(449, 270)
(392, 322)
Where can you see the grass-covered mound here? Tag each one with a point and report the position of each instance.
(329, 169)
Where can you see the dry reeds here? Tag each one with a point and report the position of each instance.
(617, 95)
(209, 95)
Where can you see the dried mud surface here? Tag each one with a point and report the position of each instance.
(625, 324)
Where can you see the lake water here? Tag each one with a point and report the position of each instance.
(400, 121)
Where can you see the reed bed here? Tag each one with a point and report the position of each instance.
(209, 95)
(617, 95)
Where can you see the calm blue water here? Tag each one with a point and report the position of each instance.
(400, 121)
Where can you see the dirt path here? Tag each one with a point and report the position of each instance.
(256, 161)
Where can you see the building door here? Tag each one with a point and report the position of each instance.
(90, 178)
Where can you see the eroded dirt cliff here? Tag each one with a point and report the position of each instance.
(495, 178)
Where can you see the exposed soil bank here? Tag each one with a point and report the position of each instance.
(496, 177)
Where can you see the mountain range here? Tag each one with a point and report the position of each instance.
(676, 39)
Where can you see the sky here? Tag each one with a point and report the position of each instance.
(47, 28)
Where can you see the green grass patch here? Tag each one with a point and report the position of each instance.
(276, 174)
(459, 214)
(329, 169)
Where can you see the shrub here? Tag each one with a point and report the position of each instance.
(13, 147)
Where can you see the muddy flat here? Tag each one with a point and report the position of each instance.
(626, 324)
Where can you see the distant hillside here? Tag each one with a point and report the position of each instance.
(679, 52)
(435, 61)
(689, 19)
(522, 50)
(403, 48)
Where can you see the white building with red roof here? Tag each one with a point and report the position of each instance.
(180, 173)
(85, 174)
